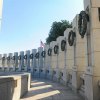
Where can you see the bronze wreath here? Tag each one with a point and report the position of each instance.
(25, 56)
(56, 49)
(49, 52)
(8, 58)
(37, 55)
(31, 56)
(82, 23)
(3, 58)
(63, 45)
(13, 57)
(19, 57)
(43, 54)
(71, 38)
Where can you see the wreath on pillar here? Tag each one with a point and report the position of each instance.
(8, 58)
(13, 57)
(49, 52)
(37, 55)
(3, 58)
(82, 23)
(71, 38)
(31, 56)
(43, 54)
(56, 49)
(19, 57)
(25, 56)
(63, 45)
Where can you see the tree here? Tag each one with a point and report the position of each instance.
(57, 29)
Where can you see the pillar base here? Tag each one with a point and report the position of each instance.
(24, 69)
(6, 69)
(63, 78)
(11, 69)
(48, 74)
(92, 89)
(42, 73)
(76, 81)
(1, 69)
(55, 75)
(36, 73)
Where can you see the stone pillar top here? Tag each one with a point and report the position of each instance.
(21, 52)
(34, 51)
(66, 32)
(27, 51)
(4, 55)
(10, 54)
(15, 53)
(91, 3)
(51, 43)
(40, 49)
(75, 22)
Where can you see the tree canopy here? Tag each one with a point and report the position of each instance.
(57, 29)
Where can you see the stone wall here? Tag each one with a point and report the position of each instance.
(14, 86)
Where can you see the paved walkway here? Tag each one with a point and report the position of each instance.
(48, 90)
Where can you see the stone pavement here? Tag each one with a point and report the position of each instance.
(47, 90)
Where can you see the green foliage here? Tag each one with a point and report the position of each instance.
(57, 29)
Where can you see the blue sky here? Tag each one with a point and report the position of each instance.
(26, 22)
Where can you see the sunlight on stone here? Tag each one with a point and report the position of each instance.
(38, 83)
(41, 87)
(43, 95)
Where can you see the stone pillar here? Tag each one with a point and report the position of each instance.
(50, 68)
(21, 61)
(15, 61)
(1, 68)
(32, 60)
(47, 63)
(92, 75)
(4, 62)
(10, 62)
(41, 69)
(54, 62)
(57, 70)
(28, 61)
(78, 69)
(69, 58)
(47, 58)
(36, 68)
(40, 49)
(62, 61)
(44, 59)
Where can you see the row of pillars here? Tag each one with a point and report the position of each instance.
(73, 59)
(78, 65)
(22, 61)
